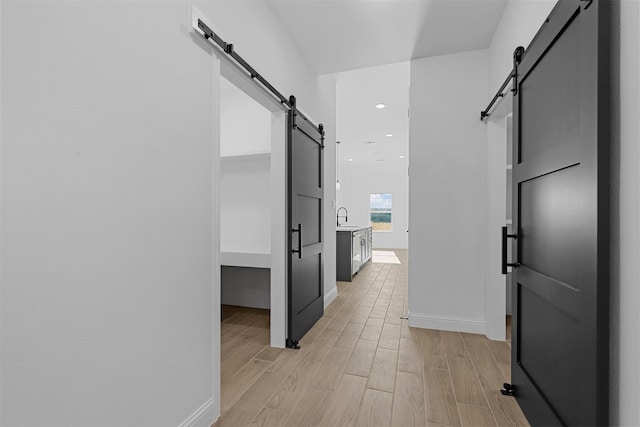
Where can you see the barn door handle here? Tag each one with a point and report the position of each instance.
(299, 231)
(505, 236)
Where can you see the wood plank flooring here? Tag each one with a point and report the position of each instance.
(361, 365)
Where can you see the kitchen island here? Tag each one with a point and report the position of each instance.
(353, 250)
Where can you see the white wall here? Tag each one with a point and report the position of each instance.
(106, 215)
(447, 149)
(108, 283)
(359, 180)
(245, 205)
(245, 125)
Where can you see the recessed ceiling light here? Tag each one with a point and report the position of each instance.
(369, 142)
(380, 160)
(389, 135)
(401, 157)
(349, 160)
(380, 106)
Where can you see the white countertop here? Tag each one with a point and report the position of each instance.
(352, 227)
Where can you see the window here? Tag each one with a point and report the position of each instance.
(380, 211)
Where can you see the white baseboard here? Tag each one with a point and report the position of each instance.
(328, 298)
(445, 323)
(202, 417)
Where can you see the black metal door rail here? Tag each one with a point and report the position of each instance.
(517, 57)
(229, 50)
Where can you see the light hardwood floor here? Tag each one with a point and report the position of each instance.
(361, 365)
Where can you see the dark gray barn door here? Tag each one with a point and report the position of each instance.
(560, 205)
(305, 277)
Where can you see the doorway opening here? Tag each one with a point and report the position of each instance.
(252, 208)
(245, 230)
(372, 125)
(252, 242)
(499, 215)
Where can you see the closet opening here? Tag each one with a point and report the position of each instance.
(245, 208)
(499, 215)
(252, 207)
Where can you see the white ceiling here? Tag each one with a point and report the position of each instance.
(359, 121)
(357, 39)
(340, 35)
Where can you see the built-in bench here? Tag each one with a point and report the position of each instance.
(245, 279)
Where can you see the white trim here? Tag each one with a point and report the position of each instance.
(279, 256)
(328, 298)
(209, 412)
(215, 243)
(199, 418)
(446, 323)
(239, 77)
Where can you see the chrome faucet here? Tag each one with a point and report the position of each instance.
(346, 218)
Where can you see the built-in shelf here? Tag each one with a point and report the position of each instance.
(508, 222)
(255, 156)
(509, 167)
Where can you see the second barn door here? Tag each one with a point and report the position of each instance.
(561, 221)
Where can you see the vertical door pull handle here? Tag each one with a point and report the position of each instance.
(505, 236)
(299, 231)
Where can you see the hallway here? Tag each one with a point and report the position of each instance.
(362, 365)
